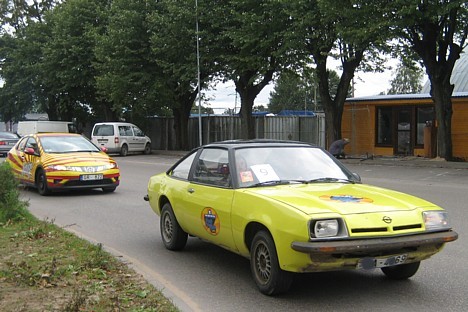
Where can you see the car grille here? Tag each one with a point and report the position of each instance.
(387, 229)
(89, 183)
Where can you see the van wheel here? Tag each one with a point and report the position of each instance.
(41, 183)
(147, 150)
(124, 150)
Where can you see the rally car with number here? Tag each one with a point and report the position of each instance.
(59, 161)
(291, 207)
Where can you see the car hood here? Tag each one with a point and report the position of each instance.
(340, 198)
(81, 158)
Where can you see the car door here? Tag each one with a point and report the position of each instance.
(208, 198)
(138, 139)
(25, 159)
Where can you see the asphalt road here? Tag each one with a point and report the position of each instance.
(203, 277)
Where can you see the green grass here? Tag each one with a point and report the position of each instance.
(45, 268)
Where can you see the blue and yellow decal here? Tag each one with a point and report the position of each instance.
(210, 221)
(347, 199)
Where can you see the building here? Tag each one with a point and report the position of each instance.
(393, 125)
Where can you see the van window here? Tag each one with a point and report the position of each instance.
(125, 131)
(138, 132)
(103, 130)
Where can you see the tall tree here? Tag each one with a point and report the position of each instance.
(406, 80)
(250, 46)
(342, 29)
(436, 31)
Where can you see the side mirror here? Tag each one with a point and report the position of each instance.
(30, 151)
(104, 149)
(357, 176)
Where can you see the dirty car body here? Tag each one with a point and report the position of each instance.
(62, 161)
(291, 207)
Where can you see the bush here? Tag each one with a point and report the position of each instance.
(11, 207)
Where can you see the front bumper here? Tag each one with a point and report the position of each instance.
(371, 245)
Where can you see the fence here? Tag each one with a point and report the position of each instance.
(309, 129)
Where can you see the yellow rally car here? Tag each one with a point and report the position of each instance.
(57, 161)
(292, 207)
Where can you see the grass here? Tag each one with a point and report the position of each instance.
(45, 268)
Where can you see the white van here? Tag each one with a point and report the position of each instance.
(41, 126)
(120, 137)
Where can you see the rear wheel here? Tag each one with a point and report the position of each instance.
(268, 276)
(41, 183)
(402, 271)
(173, 237)
(124, 150)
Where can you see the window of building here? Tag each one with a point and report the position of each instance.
(384, 122)
(424, 116)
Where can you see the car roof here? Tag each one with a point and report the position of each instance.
(234, 144)
(56, 134)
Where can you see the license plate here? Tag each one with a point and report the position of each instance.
(90, 177)
(371, 263)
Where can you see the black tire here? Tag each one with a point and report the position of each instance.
(147, 150)
(268, 276)
(172, 235)
(108, 189)
(124, 150)
(41, 183)
(402, 271)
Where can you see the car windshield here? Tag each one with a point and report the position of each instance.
(67, 144)
(258, 166)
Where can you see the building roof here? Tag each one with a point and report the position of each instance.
(387, 97)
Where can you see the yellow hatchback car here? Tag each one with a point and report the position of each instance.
(58, 161)
(292, 207)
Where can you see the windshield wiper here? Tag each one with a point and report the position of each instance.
(269, 183)
(330, 180)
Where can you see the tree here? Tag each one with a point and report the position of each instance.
(250, 47)
(406, 80)
(329, 28)
(436, 31)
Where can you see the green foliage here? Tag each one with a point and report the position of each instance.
(11, 207)
(406, 80)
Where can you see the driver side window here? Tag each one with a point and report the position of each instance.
(212, 168)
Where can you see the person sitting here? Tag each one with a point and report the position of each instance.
(337, 148)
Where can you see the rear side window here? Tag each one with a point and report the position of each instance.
(103, 130)
(125, 131)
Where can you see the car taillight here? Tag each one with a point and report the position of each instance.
(116, 140)
(2, 143)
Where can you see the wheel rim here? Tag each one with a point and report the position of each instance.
(262, 263)
(42, 182)
(167, 227)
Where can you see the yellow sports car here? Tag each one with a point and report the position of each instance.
(57, 161)
(292, 207)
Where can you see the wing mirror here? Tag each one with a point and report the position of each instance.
(30, 151)
(104, 149)
(357, 176)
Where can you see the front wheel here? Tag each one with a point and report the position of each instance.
(41, 183)
(147, 150)
(266, 272)
(173, 237)
(402, 271)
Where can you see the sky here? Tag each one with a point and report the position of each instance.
(365, 84)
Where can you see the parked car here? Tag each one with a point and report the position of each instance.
(292, 207)
(121, 137)
(43, 126)
(58, 161)
(7, 141)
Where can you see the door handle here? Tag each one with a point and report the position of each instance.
(191, 190)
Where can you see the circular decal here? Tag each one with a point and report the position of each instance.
(346, 198)
(210, 221)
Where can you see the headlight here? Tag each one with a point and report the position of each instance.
(326, 228)
(435, 220)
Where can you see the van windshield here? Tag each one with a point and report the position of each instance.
(103, 130)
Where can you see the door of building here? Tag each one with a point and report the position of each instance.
(403, 144)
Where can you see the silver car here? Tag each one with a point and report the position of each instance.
(7, 141)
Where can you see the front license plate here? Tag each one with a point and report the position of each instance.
(370, 263)
(89, 177)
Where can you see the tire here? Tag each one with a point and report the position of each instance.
(124, 150)
(264, 265)
(402, 271)
(41, 183)
(147, 150)
(108, 189)
(173, 237)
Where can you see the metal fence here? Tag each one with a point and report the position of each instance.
(309, 129)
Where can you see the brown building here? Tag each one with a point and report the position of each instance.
(401, 125)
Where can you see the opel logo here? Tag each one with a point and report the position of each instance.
(387, 220)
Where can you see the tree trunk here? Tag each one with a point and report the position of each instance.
(442, 97)
(181, 117)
